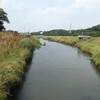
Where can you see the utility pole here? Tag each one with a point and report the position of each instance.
(70, 31)
(24, 30)
(29, 29)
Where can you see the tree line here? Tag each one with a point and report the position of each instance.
(93, 31)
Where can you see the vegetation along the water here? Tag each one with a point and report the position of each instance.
(15, 52)
(91, 46)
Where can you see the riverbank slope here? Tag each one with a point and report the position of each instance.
(15, 52)
(91, 46)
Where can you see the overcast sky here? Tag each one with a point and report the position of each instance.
(51, 14)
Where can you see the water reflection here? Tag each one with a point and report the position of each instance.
(60, 72)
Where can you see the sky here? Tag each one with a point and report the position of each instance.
(43, 15)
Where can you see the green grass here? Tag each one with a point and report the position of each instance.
(14, 53)
(26, 43)
(36, 43)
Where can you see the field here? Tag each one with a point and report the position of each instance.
(15, 52)
(91, 46)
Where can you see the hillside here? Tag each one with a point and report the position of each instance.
(92, 31)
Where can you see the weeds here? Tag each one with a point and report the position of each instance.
(14, 52)
(26, 43)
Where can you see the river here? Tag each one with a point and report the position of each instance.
(60, 72)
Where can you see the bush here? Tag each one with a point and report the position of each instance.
(26, 43)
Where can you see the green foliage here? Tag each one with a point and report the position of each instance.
(93, 31)
(96, 57)
(70, 40)
(59, 32)
(96, 28)
(1, 25)
(26, 43)
(36, 42)
(3, 18)
(3, 94)
(15, 52)
(12, 69)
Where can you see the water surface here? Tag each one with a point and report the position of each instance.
(60, 72)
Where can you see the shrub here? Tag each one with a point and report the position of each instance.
(26, 43)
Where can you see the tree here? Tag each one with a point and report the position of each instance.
(96, 28)
(3, 18)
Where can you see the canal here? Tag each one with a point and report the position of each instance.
(60, 72)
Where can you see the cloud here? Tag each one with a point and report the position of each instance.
(12, 4)
(15, 9)
(81, 13)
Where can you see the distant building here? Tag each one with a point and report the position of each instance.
(41, 33)
(82, 37)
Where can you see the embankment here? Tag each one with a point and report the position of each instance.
(15, 52)
(91, 46)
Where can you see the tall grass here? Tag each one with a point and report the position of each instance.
(70, 40)
(14, 52)
(91, 45)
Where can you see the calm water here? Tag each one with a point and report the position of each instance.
(60, 72)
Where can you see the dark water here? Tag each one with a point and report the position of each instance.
(60, 72)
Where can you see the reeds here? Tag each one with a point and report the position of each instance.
(70, 40)
(14, 52)
(8, 41)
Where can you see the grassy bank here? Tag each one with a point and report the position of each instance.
(15, 51)
(91, 46)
